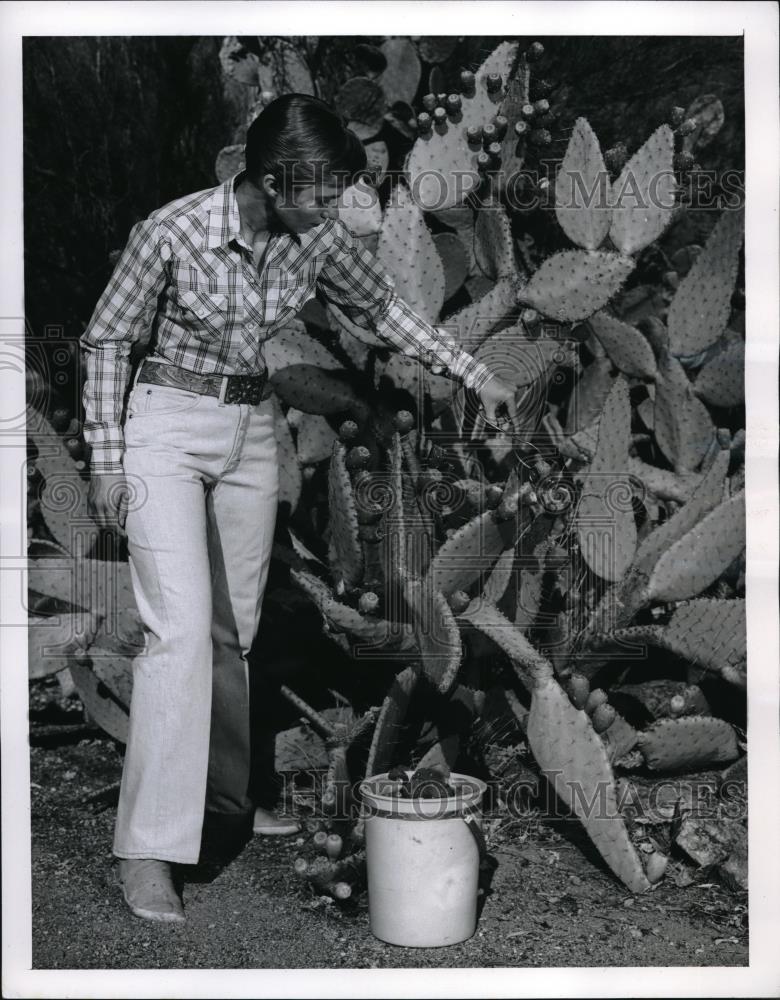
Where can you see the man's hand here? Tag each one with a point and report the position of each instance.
(493, 395)
(107, 500)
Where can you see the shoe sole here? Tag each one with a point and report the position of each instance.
(276, 831)
(158, 916)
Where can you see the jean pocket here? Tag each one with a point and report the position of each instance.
(147, 400)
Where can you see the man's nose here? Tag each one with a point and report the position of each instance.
(331, 212)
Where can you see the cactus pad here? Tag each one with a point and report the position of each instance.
(706, 496)
(470, 551)
(721, 382)
(437, 634)
(493, 245)
(584, 215)
(628, 349)
(711, 634)
(682, 424)
(387, 737)
(643, 195)
(488, 619)
(401, 77)
(455, 261)
(315, 390)
(290, 479)
(701, 555)
(343, 521)
(573, 284)
(605, 516)
(315, 438)
(105, 687)
(442, 167)
(407, 251)
(575, 761)
(690, 743)
(497, 307)
(699, 311)
(589, 395)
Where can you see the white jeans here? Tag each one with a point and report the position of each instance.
(199, 540)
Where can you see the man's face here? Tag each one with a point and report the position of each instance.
(309, 206)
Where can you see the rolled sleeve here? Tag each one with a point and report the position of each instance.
(124, 314)
(353, 280)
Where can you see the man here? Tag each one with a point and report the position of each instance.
(192, 475)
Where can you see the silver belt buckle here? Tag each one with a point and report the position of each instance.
(223, 390)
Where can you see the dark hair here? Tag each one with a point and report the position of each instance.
(300, 140)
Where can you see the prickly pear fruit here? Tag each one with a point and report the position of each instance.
(403, 421)
(459, 601)
(357, 458)
(493, 496)
(677, 704)
(655, 866)
(578, 689)
(320, 839)
(300, 866)
(333, 845)
(534, 52)
(602, 717)
(368, 603)
(341, 890)
(348, 431)
(596, 697)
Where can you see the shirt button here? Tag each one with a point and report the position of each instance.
(250, 326)
(201, 312)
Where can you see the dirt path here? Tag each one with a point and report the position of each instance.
(547, 906)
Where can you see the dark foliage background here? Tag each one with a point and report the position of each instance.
(115, 127)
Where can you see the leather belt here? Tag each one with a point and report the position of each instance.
(228, 388)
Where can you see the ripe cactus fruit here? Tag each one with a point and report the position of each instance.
(575, 760)
(442, 169)
(333, 846)
(596, 697)
(655, 866)
(320, 839)
(572, 285)
(582, 190)
(690, 743)
(602, 717)
(341, 890)
(403, 421)
(357, 458)
(677, 704)
(700, 556)
(628, 349)
(348, 431)
(699, 311)
(368, 603)
(578, 689)
(459, 601)
(643, 195)
(534, 52)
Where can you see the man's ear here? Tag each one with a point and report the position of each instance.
(270, 186)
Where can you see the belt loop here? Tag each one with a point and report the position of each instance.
(223, 389)
(137, 372)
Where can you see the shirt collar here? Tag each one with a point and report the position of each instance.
(224, 219)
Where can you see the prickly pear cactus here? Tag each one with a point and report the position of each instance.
(573, 756)
(442, 165)
(582, 190)
(573, 284)
(687, 744)
(700, 308)
(643, 196)
(348, 555)
(605, 515)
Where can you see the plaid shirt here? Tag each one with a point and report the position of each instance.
(186, 282)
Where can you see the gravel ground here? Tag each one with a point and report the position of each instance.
(548, 905)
